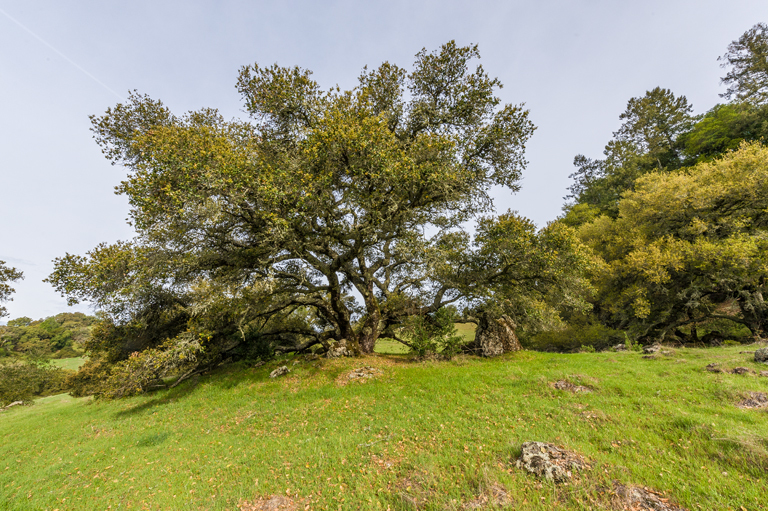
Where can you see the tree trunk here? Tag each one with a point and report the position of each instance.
(494, 336)
(370, 332)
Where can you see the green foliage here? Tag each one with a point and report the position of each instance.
(577, 336)
(258, 234)
(22, 380)
(724, 128)
(61, 336)
(685, 244)
(647, 141)
(7, 275)
(434, 335)
(747, 58)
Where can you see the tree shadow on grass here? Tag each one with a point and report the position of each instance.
(168, 396)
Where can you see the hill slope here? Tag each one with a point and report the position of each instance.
(436, 435)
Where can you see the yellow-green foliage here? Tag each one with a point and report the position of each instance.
(685, 242)
(23, 380)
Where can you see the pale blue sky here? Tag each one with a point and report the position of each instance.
(574, 63)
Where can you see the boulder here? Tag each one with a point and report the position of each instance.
(549, 461)
(620, 347)
(653, 348)
(280, 371)
(494, 336)
(338, 349)
(761, 355)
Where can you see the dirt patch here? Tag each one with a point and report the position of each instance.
(640, 498)
(764, 374)
(412, 492)
(493, 494)
(714, 367)
(570, 387)
(549, 461)
(271, 503)
(755, 400)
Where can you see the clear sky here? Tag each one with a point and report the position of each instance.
(574, 63)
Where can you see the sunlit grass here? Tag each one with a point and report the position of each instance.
(69, 363)
(421, 433)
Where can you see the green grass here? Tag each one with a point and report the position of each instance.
(68, 363)
(392, 347)
(422, 434)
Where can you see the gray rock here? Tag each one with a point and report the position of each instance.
(549, 461)
(494, 336)
(761, 355)
(280, 371)
(653, 348)
(620, 347)
(338, 349)
(363, 373)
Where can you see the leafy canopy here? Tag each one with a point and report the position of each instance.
(328, 215)
(8, 274)
(687, 246)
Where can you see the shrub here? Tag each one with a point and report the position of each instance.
(434, 335)
(581, 337)
(22, 380)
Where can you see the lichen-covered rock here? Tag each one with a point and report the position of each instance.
(338, 349)
(549, 461)
(570, 387)
(494, 336)
(363, 373)
(639, 497)
(620, 347)
(653, 348)
(761, 355)
(280, 371)
(755, 400)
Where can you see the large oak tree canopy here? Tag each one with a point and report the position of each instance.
(322, 196)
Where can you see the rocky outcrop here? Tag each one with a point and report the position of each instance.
(280, 371)
(494, 336)
(339, 349)
(761, 355)
(549, 461)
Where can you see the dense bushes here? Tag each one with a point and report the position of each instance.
(22, 380)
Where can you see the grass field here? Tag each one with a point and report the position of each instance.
(69, 363)
(431, 435)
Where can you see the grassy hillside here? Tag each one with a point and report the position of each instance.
(419, 435)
